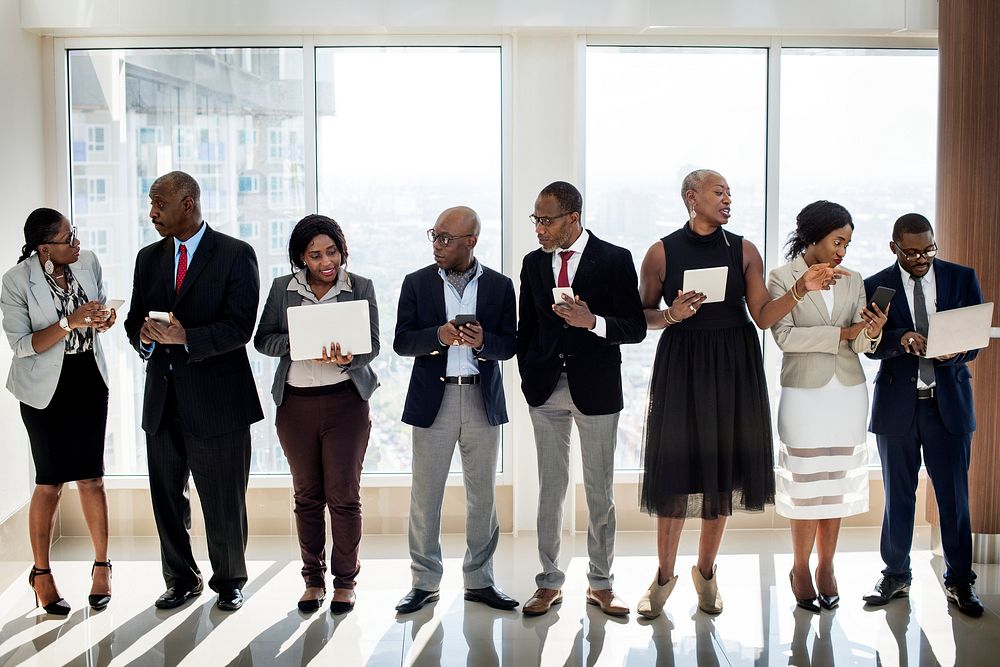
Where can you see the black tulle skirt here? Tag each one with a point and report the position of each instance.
(708, 447)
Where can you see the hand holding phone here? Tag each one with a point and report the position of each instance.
(160, 317)
(557, 295)
(882, 297)
(462, 320)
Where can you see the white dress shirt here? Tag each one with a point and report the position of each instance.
(930, 301)
(601, 325)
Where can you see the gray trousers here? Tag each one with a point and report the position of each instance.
(598, 435)
(461, 418)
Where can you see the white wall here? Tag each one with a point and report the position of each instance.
(23, 188)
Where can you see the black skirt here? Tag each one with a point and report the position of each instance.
(708, 447)
(67, 436)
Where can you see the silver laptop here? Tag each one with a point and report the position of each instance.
(959, 330)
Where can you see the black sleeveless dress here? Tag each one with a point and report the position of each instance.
(708, 446)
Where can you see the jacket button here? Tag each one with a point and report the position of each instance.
(562, 356)
(436, 352)
(442, 379)
(913, 379)
(565, 326)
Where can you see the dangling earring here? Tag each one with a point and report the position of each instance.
(49, 267)
(693, 214)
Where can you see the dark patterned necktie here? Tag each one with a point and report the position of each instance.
(182, 267)
(920, 321)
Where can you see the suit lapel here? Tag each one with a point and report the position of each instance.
(167, 268)
(942, 285)
(589, 268)
(899, 302)
(843, 296)
(437, 294)
(40, 289)
(483, 296)
(198, 263)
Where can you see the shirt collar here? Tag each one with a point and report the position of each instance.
(579, 244)
(475, 265)
(192, 243)
(927, 279)
(297, 283)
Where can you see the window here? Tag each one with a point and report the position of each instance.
(858, 127)
(95, 140)
(642, 139)
(190, 109)
(249, 230)
(280, 231)
(385, 172)
(249, 184)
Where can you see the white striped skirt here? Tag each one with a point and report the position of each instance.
(822, 470)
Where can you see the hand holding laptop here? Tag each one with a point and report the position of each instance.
(334, 356)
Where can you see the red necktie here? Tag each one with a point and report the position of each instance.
(182, 267)
(564, 269)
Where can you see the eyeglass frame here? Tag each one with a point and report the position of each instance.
(929, 254)
(72, 238)
(445, 239)
(537, 219)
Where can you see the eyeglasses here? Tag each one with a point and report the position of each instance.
(914, 256)
(545, 222)
(444, 239)
(70, 241)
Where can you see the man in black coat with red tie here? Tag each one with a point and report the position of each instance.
(570, 363)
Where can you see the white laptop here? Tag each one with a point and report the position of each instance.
(313, 326)
(710, 282)
(959, 330)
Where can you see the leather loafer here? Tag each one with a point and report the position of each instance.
(230, 599)
(343, 600)
(175, 596)
(491, 596)
(415, 600)
(541, 601)
(609, 603)
(886, 589)
(965, 598)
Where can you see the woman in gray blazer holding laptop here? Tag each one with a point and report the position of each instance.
(322, 418)
(822, 473)
(51, 315)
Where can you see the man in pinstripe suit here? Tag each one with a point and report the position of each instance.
(200, 397)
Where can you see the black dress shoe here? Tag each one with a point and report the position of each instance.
(415, 600)
(175, 596)
(965, 598)
(492, 597)
(230, 599)
(886, 589)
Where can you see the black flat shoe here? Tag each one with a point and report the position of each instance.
(100, 600)
(886, 589)
(491, 596)
(175, 596)
(809, 604)
(310, 606)
(415, 600)
(965, 598)
(345, 603)
(58, 608)
(230, 600)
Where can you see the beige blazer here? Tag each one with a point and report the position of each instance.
(809, 337)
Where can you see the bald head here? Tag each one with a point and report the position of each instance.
(464, 217)
(180, 184)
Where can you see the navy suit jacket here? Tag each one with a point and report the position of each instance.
(217, 306)
(895, 399)
(607, 282)
(421, 311)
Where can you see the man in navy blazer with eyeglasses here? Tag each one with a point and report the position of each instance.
(923, 406)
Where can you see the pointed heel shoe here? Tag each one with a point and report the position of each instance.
(60, 607)
(831, 601)
(100, 600)
(653, 600)
(809, 604)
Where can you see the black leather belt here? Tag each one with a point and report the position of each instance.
(924, 394)
(462, 379)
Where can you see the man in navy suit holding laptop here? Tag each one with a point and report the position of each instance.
(457, 318)
(923, 406)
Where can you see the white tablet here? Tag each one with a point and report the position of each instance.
(313, 326)
(710, 282)
(959, 330)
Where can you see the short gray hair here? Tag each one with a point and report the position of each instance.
(694, 181)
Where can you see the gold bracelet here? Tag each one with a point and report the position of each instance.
(668, 318)
(795, 294)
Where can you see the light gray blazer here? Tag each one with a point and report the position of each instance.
(809, 337)
(272, 333)
(27, 305)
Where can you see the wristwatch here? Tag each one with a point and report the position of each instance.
(64, 323)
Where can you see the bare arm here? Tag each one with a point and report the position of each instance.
(652, 273)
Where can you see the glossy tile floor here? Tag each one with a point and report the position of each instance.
(760, 625)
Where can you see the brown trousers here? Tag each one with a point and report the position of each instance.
(324, 437)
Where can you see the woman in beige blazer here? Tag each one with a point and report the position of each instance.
(52, 314)
(822, 416)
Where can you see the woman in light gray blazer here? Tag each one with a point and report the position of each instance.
(822, 473)
(322, 418)
(52, 314)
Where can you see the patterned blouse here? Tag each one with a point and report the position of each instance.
(66, 301)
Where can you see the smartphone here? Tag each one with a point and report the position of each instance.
(882, 297)
(557, 293)
(462, 320)
(160, 316)
(114, 304)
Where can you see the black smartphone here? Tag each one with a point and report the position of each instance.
(462, 320)
(882, 297)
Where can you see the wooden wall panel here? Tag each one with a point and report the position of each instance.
(968, 209)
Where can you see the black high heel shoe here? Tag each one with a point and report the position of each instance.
(101, 600)
(829, 602)
(60, 607)
(809, 604)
